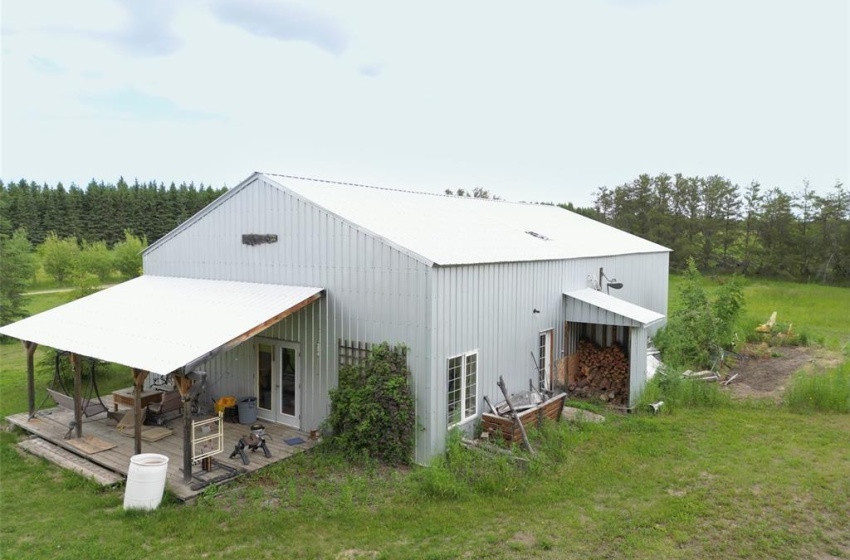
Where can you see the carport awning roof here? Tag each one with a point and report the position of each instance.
(160, 324)
(591, 306)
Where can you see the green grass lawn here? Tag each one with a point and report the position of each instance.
(720, 483)
(738, 480)
(13, 365)
(820, 311)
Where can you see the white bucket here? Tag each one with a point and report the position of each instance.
(145, 481)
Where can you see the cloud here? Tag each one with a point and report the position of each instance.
(135, 105)
(47, 66)
(284, 22)
(637, 3)
(146, 31)
(371, 70)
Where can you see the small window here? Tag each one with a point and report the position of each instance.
(462, 387)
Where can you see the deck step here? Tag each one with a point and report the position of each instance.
(67, 460)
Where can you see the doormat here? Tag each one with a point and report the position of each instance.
(90, 444)
(294, 441)
(156, 434)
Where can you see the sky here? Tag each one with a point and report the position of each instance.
(539, 101)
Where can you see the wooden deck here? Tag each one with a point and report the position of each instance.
(52, 426)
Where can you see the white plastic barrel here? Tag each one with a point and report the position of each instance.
(145, 481)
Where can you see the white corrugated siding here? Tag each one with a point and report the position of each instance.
(374, 292)
(591, 306)
(490, 308)
(637, 363)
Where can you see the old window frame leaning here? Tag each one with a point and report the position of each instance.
(462, 390)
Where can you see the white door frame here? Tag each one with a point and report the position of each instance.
(274, 412)
(546, 348)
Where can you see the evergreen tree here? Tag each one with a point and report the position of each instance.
(752, 210)
(17, 266)
(777, 235)
(805, 202)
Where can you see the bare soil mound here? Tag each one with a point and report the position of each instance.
(766, 371)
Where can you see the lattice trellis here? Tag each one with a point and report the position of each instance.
(353, 352)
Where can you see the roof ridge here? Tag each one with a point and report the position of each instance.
(390, 189)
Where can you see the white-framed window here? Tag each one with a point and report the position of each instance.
(462, 387)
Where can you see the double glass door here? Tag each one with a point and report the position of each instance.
(279, 382)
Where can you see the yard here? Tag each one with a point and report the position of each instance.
(745, 478)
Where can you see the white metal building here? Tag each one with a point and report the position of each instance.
(474, 288)
(277, 282)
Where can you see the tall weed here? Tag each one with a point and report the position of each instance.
(820, 392)
(680, 392)
(461, 472)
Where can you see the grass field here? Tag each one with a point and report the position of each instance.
(13, 365)
(820, 311)
(730, 480)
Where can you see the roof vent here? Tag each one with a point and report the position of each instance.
(538, 235)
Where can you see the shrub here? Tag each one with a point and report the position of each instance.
(85, 284)
(95, 259)
(820, 392)
(700, 325)
(59, 256)
(372, 409)
(128, 255)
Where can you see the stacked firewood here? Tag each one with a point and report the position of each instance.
(602, 373)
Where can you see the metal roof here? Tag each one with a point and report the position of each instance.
(608, 303)
(159, 324)
(450, 230)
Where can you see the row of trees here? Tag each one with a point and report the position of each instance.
(725, 228)
(83, 266)
(100, 211)
(66, 260)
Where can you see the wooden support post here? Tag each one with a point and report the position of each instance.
(30, 349)
(139, 377)
(184, 386)
(77, 366)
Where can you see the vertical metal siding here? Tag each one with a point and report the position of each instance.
(374, 292)
(637, 374)
(489, 308)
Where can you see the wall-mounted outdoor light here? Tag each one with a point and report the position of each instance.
(609, 282)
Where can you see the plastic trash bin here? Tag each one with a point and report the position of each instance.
(247, 407)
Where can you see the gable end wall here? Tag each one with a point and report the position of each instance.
(374, 292)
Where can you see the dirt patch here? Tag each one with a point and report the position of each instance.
(766, 371)
(524, 539)
(356, 553)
